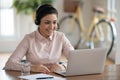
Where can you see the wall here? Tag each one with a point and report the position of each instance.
(115, 55)
(86, 10)
(26, 24)
(118, 31)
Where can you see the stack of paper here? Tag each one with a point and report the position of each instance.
(41, 77)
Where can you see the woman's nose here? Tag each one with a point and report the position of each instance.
(51, 26)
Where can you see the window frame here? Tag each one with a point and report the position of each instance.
(15, 35)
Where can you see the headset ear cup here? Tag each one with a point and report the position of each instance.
(36, 22)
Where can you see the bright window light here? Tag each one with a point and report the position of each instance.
(7, 22)
(7, 28)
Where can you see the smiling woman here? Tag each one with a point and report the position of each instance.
(44, 46)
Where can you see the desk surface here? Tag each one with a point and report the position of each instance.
(111, 72)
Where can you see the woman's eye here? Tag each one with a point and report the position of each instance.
(54, 22)
(51, 22)
(47, 22)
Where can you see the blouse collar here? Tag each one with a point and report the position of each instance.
(39, 36)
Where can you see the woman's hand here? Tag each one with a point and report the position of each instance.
(39, 68)
(56, 67)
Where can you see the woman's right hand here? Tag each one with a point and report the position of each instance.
(39, 68)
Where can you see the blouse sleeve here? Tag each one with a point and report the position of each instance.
(13, 62)
(66, 46)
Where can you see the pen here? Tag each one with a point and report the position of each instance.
(44, 77)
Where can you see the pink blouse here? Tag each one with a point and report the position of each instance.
(40, 50)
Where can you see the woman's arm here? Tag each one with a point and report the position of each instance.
(66, 46)
(14, 61)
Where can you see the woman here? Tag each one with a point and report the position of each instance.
(43, 47)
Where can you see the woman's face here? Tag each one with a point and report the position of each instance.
(48, 24)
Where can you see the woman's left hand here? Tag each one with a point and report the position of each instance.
(56, 67)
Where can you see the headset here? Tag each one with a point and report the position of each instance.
(37, 22)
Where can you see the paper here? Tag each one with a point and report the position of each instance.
(35, 76)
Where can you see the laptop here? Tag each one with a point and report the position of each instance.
(85, 61)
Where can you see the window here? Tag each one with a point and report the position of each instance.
(7, 28)
(111, 8)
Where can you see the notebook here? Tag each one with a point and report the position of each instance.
(85, 61)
